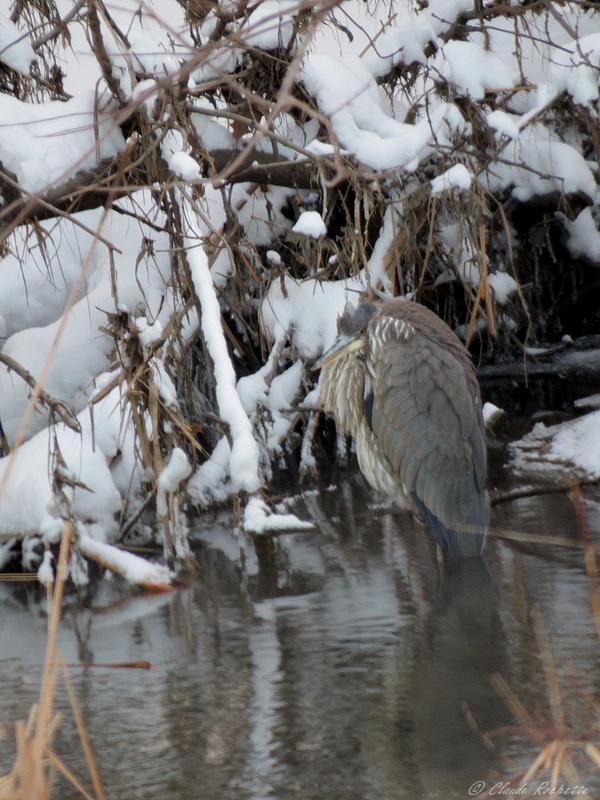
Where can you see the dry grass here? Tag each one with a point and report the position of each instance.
(563, 745)
(36, 764)
(567, 735)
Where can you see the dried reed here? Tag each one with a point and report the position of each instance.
(35, 766)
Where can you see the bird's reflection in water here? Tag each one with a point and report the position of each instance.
(396, 656)
(462, 646)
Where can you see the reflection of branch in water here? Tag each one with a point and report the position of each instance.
(591, 565)
(573, 488)
(534, 491)
(535, 538)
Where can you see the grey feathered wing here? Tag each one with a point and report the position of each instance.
(426, 416)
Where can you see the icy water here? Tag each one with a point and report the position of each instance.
(334, 665)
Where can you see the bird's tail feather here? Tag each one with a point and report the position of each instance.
(465, 543)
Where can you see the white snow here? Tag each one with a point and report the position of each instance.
(569, 451)
(26, 498)
(47, 143)
(574, 69)
(213, 134)
(133, 568)
(39, 274)
(166, 387)
(243, 459)
(258, 518)
(63, 280)
(473, 70)
(503, 123)
(71, 350)
(533, 165)
(307, 311)
(260, 213)
(346, 92)
(584, 237)
(273, 257)
(210, 481)
(149, 332)
(591, 401)
(491, 414)
(462, 252)
(284, 389)
(268, 26)
(184, 165)
(145, 92)
(458, 177)
(46, 571)
(322, 148)
(67, 368)
(310, 223)
(15, 50)
(375, 273)
(151, 55)
(405, 42)
(176, 471)
(503, 284)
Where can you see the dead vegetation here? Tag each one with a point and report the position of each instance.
(36, 763)
(564, 731)
(265, 174)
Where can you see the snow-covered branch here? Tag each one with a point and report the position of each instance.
(243, 460)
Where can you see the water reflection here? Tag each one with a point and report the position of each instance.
(312, 666)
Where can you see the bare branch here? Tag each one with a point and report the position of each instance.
(57, 406)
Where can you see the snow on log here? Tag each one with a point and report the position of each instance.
(133, 568)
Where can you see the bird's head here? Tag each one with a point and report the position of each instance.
(352, 332)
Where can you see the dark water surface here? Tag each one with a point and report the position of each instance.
(334, 665)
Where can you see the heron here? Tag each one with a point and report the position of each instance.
(402, 384)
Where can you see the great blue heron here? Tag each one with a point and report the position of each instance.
(403, 385)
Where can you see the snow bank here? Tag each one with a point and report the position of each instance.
(44, 144)
(566, 452)
(27, 504)
(73, 349)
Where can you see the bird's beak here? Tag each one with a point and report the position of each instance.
(341, 346)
